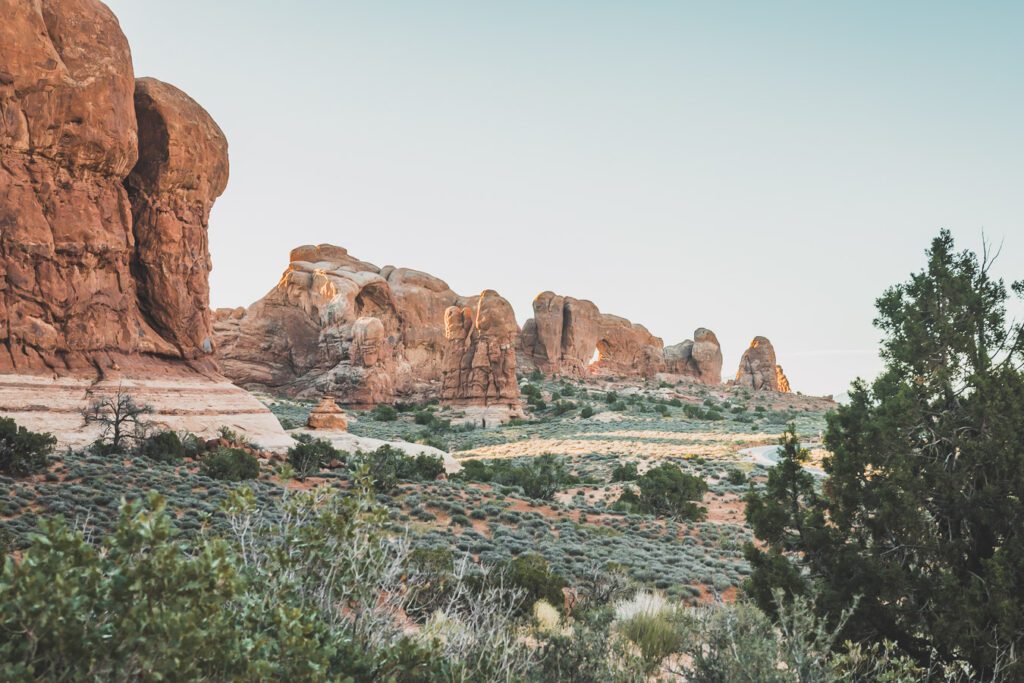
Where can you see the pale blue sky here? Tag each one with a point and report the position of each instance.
(756, 168)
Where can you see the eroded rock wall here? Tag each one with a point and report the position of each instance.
(339, 326)
(479, 363)
(571, 337)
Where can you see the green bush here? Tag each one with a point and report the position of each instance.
(532, 575)
(666, 491)
(656, 634)
(23, 452)
(736, 477)
(625, 471)
(230, 464)
(163, 447)
(384, 413)
(309, 455)
(539, 477)
(587, 411)
(388, 465)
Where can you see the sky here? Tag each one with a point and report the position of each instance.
(754, 168)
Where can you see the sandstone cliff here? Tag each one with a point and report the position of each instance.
(106, 185)
(339, 326)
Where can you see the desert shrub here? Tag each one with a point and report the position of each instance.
(625, 471)
(229, 464)
(384, 413)
(423, 417)
(531, 574)
(611, 397)
(388, 465)
(618, 406)
(736, 477)
(587, 411)
(656, 635)
(562, 407)
(165, 446)
(430, 580)
(666, 491)
(309, 455)
(536, 376)
(145, 606)
(23, 452)
(539, 477)
(675, 403)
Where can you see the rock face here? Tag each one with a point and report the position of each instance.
(106, 185)
(571, 337)
(479, 365)
(182, 169)
(759, 370)
(338, 326)
(327, 415)
(699, 358)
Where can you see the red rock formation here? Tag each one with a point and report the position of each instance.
(571, 337)
(699, 358)
(182, 169)
(479, 365)
(339, 326)
(97, 281)
(758, 368)
(327, 415)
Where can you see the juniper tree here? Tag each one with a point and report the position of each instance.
(922, 514)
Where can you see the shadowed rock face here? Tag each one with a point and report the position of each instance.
(479, 367)
(182, 169)
(571, 337)
(92, 278)
(106, 185)
(759, 370)
(339, 326)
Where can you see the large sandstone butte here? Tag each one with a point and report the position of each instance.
(106, 185)
(571, 337)
(479, 363)
(759, 370)
(337, 326)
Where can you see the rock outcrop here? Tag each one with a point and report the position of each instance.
(571, 337)
(327, 415)
(182, 169)
(699, 358)
(479, 365)
(106, 184)
(759, 370)
(338, 326)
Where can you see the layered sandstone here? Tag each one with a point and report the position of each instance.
(759, 369)
(479, 364)
(338, 326)
(699, 358)
(571, 337)
(327, 415)
(106, 185)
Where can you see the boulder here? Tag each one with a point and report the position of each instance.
(759, 370)
(327, 415)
